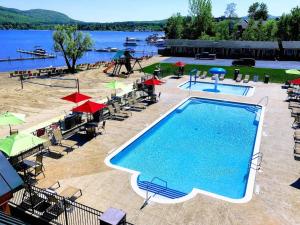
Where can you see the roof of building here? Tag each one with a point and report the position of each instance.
(222, 44)
(9, 220)
(291, 44)
(9, 178)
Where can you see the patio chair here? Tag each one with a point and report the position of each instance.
(222, 77)
(204, 75)
(61, 141)
(239, 78)
(214, 76)
(120, 111)
(296, 122)
(101, 129)
(246, 79)
(37, 170)
(39, 160)
(114, 115)
(57, 149)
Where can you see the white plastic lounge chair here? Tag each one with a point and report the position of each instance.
(222, 77)
(204, 75)
(239, 78)
(246, 79)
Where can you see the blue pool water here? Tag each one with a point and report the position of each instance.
(203, 144)
(221, 88)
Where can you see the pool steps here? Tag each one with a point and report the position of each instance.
(157, 189)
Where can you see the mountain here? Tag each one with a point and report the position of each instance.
(33, 16)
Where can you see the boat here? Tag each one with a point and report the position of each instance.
(160, 43)
(39, 51)
(130, 43)
(108, 49)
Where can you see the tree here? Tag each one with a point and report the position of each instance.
(201, 13)
(71, 43)
(222, 30)
(288, 26)
(250, 32)
(258, 11)
(230, 11)
(174, 27)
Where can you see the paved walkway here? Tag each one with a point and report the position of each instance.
(103, 187)
(228, 62)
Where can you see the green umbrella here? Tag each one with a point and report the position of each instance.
(8, 119)
(293, 72)
(115, 85)
(18, 143)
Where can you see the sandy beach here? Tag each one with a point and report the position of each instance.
(40, 98)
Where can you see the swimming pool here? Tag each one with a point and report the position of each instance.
(201, 146)
(221, 88)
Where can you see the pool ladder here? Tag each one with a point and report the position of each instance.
(266, 98)
(256, 166)
(148, 197)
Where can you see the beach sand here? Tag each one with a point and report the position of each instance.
(40, 100)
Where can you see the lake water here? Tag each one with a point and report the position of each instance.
(12, 40)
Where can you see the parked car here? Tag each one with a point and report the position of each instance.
(244, 62)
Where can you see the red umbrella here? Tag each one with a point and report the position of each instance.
(295, 82)
(152, 82)
(76, 97)
(89, 107)
(180, 64)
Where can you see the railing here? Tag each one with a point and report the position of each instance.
(257, 165)
(262, 100)
(147, 199)
(54, 209)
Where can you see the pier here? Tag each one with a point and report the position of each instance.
(27, 58)
(36, 53)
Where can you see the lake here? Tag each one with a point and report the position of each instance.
(12, 40)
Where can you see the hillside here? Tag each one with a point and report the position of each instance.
(34, 16)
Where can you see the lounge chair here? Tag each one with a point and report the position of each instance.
(239, 78)
(246, 79)
(297, 149)
(295, 112)
(222, 77)
(71, 193)
(55, 210)
(120, 111)
(198, 74)
(293, 104)
(204, 75)
(137, 104)
(61, 141)
(53, 148)
(213, 77)
(31, 199)
(115, 115)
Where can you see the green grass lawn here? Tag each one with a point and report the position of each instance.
(276, 75)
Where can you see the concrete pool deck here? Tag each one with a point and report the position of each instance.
(277, 203)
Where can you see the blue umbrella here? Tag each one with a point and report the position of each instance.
(217, 71)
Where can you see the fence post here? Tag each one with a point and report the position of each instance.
(65, 209)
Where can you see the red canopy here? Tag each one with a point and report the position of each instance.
(76, 97)
(180, 64)
(89, 107)
(295, 82)
(152, 82)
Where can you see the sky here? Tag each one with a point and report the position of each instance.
(138, 10)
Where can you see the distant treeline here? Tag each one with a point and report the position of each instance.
(122, 26)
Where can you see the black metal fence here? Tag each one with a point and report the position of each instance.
(54, 209)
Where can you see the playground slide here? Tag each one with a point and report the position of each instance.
(110, 66)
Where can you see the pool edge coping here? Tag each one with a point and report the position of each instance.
(163, 200)
(250, 93)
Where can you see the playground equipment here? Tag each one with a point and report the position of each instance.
(123, 58)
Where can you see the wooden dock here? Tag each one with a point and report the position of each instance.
(26, 58)
(36, 53)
